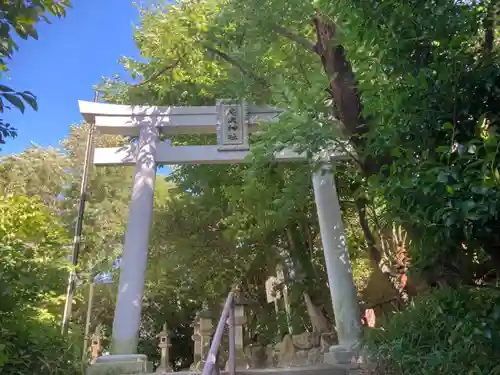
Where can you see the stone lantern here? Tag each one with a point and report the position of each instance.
(239, 322)
(205, 319)
(196, 337)
(164, 345)
(202, 333)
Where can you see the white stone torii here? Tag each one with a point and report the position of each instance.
(232, 121)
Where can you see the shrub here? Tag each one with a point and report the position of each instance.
(33, 271)
(443, 332)
(32, 345)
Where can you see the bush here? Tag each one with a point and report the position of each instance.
(33, 271)
(444, 332)
(31, 345)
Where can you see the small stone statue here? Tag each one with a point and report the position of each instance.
(95, 347)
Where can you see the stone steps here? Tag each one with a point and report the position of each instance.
(298, 370)
(136, 364)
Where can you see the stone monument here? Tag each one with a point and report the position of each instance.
(203, 330)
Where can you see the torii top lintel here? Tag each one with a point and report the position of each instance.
(125, 120)
(230, 120)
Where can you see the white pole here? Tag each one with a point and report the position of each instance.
(127, 318)
(77, 239)
(338, 264)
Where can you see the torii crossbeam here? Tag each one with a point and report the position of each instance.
(124, 120)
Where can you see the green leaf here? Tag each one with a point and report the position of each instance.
(468, 205)
(448, 126)
(32, 32)
(18, 103)
(30, 99)
(5, 89)
(443, 149)
(443, 177)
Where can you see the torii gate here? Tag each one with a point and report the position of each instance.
(232, 121)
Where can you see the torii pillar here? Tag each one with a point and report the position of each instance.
(338, 268)
(232, 121)
(127, 318)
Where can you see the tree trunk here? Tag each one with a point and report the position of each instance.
(347, 107)
(376, 255)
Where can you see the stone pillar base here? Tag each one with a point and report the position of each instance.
(240, 364)
(163, 370)
(120, 364)
(197, 366)
(340, 355)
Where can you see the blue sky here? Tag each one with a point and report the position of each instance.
(71, 55)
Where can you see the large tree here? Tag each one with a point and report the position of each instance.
(211, 54)
(414, 94)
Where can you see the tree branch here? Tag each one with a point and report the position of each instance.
(157, 74)
(490, 26)
(303, 41)
(234, 62)
(373, 250)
